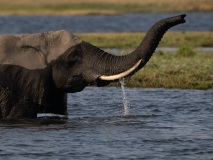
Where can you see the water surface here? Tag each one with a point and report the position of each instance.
(198, 21)
(162, 124)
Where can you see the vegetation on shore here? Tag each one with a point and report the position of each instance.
(175, 70)
(84, 7)
(132, 40)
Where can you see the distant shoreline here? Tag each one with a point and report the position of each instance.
(129, 40)
(101, 7)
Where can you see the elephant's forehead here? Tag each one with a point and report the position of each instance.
(34, 51)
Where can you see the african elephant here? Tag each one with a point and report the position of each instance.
(38, 70)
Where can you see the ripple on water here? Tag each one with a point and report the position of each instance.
(161, 124)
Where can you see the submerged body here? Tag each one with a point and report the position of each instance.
(38, 70)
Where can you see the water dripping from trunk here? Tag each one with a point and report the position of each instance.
(125, 101)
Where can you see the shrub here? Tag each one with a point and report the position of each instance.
(186, 51)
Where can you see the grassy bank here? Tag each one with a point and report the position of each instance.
(83, 7)
(172, 70)
(131, 40)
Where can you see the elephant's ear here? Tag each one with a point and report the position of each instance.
(12, 52)
(35, 51)
(51, 44)
(57, 43)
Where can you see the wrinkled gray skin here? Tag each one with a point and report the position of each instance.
(38, 70)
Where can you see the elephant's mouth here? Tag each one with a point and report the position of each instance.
(107, 79)
(120, 75)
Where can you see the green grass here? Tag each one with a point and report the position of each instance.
(132, 40)
(170, 70)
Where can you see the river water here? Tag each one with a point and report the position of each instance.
(95, 23)
(161, 124)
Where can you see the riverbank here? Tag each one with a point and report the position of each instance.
(131, 40)
(174, 70)
(110, 7)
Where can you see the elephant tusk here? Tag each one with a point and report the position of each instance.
(120, 75)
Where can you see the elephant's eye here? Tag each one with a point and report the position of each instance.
(72, 54)
(73, 57)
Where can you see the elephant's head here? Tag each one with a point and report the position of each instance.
(85, 64)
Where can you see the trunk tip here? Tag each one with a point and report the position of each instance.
(183, 15)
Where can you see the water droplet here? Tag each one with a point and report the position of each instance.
(125, 101)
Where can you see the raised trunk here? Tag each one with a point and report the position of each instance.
(111, 67)
(150, 42)
(141, 55)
